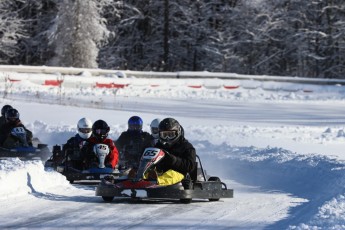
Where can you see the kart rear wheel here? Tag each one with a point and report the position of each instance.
(185, 201)
(214, 178)
(108, 198)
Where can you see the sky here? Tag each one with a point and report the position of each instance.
(278, 145)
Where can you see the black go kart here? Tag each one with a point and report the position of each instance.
(194, 186)
(69, 164)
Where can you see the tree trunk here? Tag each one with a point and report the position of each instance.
(166, 35)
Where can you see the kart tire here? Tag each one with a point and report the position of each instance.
(214, 178)
(185, 201)
(108, 198)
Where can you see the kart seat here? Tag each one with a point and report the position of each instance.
(194, 174)
(198, 173)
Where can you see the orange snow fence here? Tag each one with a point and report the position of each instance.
(231, 86)
(53, 82)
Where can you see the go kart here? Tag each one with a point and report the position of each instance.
(193, 186)
(41, 152)
(69, 165)
(22, 149)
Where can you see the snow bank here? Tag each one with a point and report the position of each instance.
(317, 179)
(24, 177)
(232, 152)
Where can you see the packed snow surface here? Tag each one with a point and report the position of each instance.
(278, 145)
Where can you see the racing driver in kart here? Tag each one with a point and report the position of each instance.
(180, 155)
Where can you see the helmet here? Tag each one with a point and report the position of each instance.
(4, 109)
(135, 123)
(84, 128)
(170, 131)
(12, 115)
(100, 130)
(154, 127)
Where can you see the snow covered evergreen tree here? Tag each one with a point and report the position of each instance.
(78, 32)
(323, 39)
(11, 30)
(272, 37)
(37, 16)
(139, 36)
(311, 40)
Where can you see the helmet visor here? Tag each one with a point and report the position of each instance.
(85, 130)
(134, 127)
(101, 131)
(168, 135)
(154, 130)
(12, 119)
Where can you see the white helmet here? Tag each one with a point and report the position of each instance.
(84, 128)
(154, 127)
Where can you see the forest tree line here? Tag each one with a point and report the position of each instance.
(256, 37)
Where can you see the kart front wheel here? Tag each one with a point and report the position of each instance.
(108, 198)
(185, 201)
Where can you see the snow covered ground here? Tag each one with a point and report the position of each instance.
(279, 146)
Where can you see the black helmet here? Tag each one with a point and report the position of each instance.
(4, 109)
(135, 123)
(100, 130)
(170, 131)
(12, 115)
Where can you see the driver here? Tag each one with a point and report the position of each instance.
(13, 133)
(4, 109)
(180, 155)
(72, 147)
(100, 130)
(132, 143)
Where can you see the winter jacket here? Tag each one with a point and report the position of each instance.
(71, 151)
(180, 157)
(131, 146)
(2, 120)
(89, 156)
(7, 140)
(73, 146)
